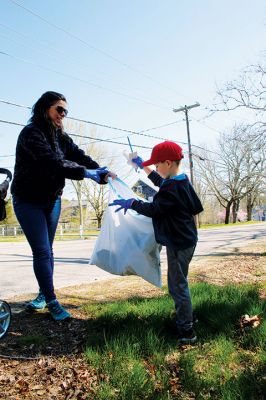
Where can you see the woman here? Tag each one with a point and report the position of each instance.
(45, 156)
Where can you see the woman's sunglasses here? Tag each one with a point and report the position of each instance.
(61, 110)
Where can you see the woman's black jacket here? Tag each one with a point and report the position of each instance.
(43, 161)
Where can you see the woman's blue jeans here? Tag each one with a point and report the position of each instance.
(39, 222)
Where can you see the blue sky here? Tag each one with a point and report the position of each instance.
(130, 63)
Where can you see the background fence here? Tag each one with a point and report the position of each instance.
(64, 231)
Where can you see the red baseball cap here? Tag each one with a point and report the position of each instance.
(164, 151)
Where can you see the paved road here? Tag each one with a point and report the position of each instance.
(71, 258)
(228, 239)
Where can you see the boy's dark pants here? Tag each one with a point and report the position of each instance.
(178, 263)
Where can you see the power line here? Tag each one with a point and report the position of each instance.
(84, 42)
(96, 139)
(158, 127)
(72, 118)
(207, 126)
(103, 140)
(58, 52)
(140, 133)
(207, 159)
(35, 14)
(104, 125)
(14, 104)
(10, 122)
(82, 136)
(82, 80)
(101, 125)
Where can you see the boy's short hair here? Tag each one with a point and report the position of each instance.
(164, 151)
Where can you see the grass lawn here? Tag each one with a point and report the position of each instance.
(22, 238)
(132, 346)
(208, 226)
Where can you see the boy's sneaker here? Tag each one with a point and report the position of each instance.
(57, 311)
(187, 337)
(37, 304)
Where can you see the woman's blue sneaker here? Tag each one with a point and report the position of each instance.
(37, 304)
(57, 311)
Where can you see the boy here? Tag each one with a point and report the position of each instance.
(172, 212)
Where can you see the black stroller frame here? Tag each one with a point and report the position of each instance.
(5, 310)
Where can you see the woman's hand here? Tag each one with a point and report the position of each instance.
(112, 175)
(100, 173)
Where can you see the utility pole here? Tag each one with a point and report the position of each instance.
(185, 109)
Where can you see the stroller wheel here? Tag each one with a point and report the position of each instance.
(5, 317)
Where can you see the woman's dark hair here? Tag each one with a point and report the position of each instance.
(39, 110)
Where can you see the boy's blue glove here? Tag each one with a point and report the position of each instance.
(124, 204)
(138, 160)
(95, 174)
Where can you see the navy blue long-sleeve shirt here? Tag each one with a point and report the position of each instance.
(43, 161)
(172, 211)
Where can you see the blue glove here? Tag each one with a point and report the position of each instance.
(124, 204)
(95, 174)
(138, 160)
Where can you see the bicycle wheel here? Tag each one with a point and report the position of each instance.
(5, 318)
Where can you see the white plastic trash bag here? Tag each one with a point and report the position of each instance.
(126, 244)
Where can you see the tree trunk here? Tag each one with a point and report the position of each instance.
(227, 213)
(77, 187)
(80, 211)
(249, 208)
(99, 222)
(235, 209)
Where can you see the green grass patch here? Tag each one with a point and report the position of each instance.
(20, 238)
(223, 225)
(132, 345)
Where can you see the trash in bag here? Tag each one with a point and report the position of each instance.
(129, 157)
(126, 244)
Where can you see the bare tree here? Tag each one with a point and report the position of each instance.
(80, 130)
(96, 197)
(202, 191)
(255, 159)
(248, 92)
(78, 189)
(86, 189)
(236, 171)
(95, 194)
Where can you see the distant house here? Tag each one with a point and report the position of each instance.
(259, 213)
(143, 190)
(73, 205)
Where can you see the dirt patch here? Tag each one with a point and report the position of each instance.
(247, 264)
(44, 359)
